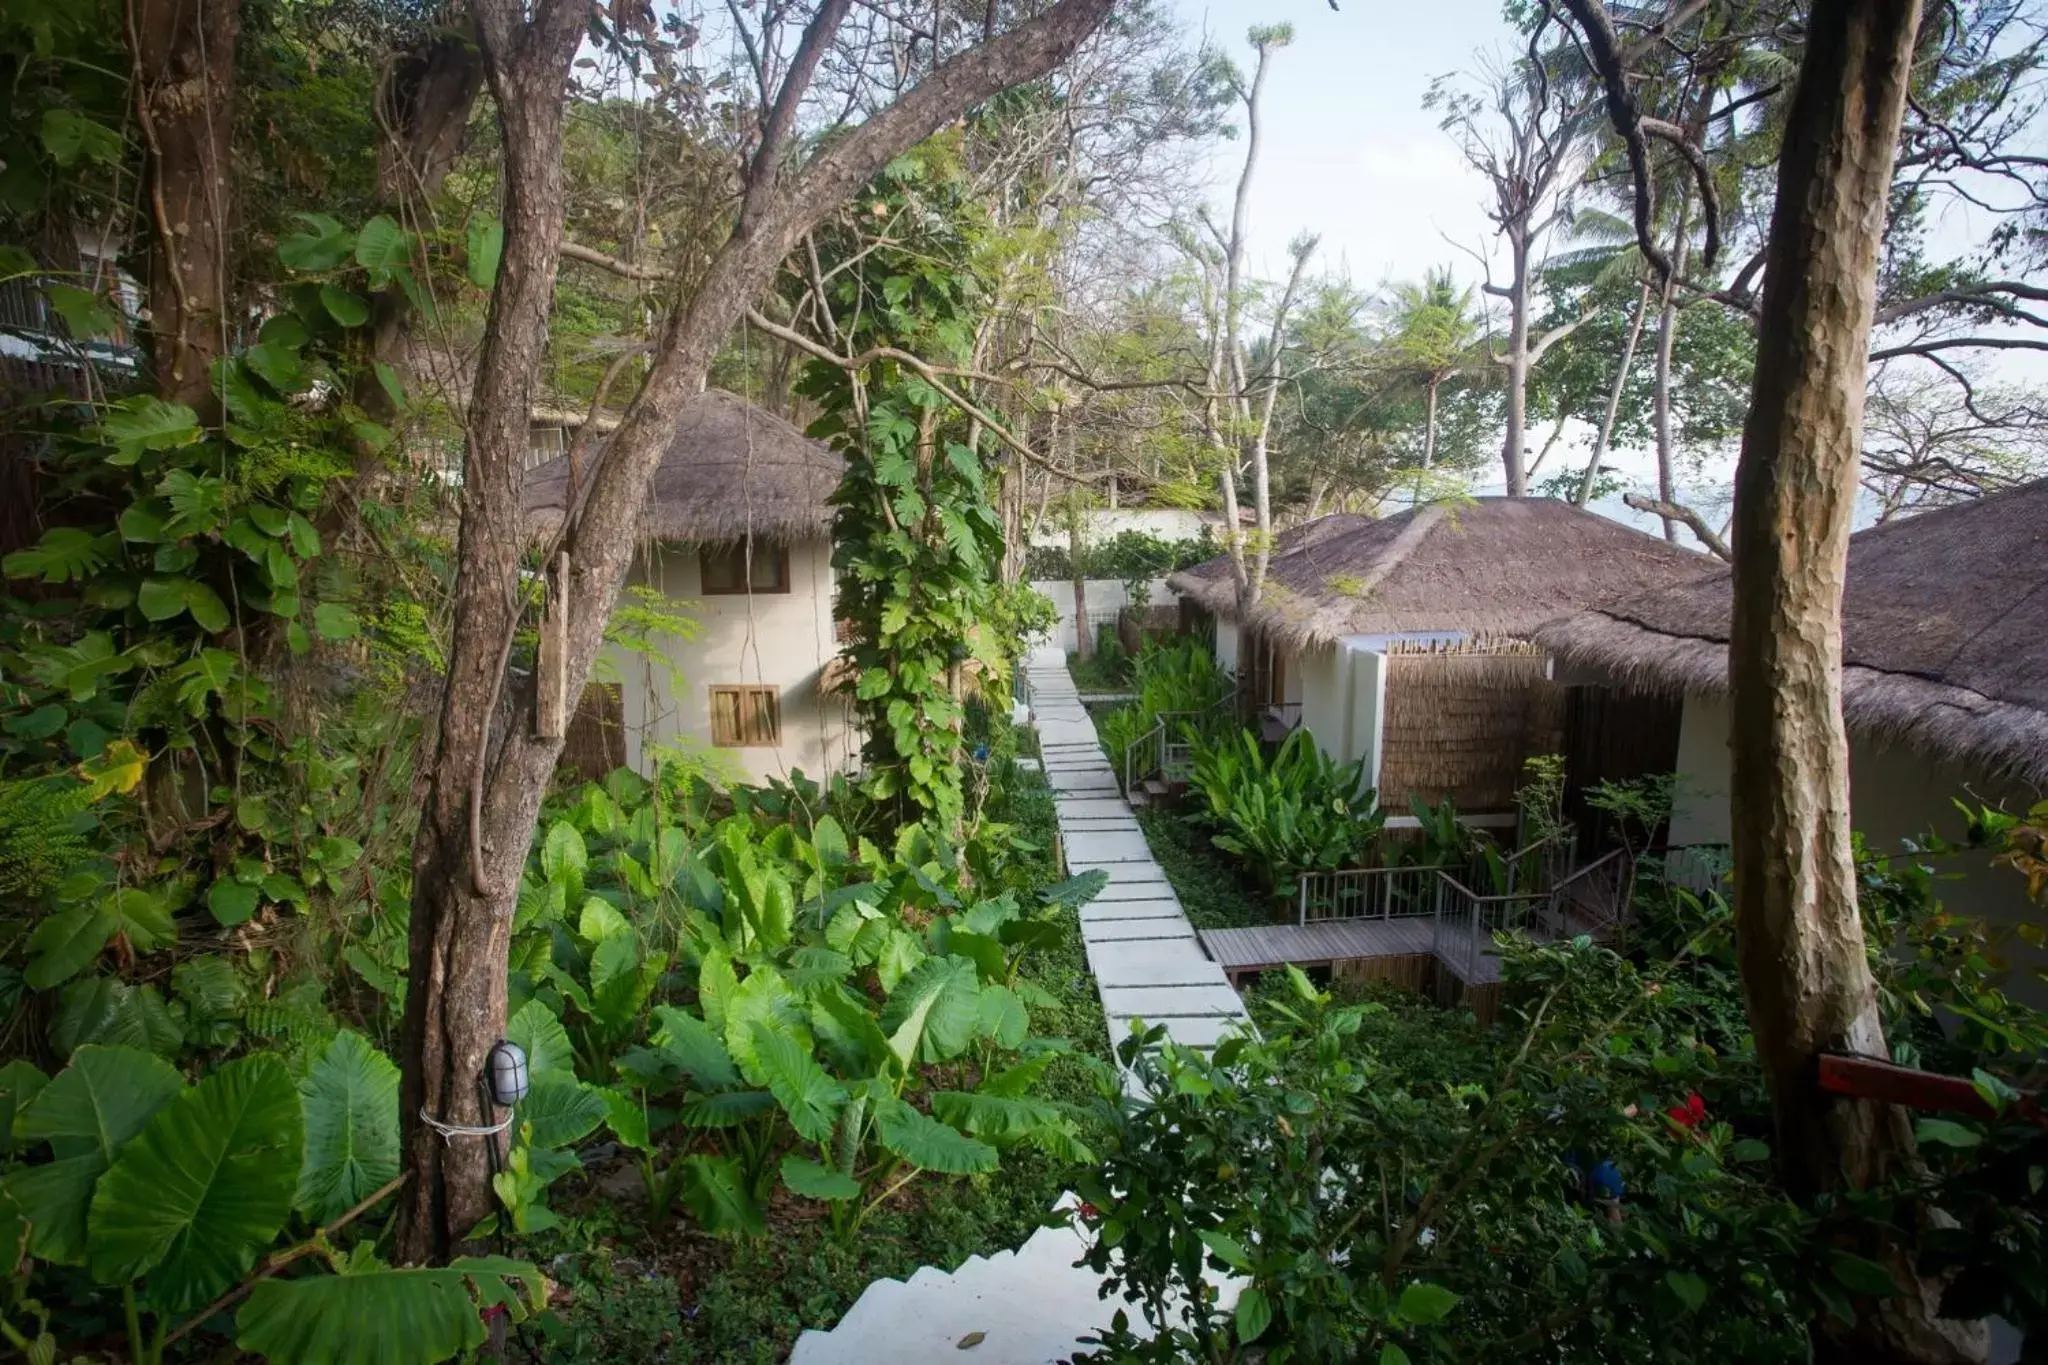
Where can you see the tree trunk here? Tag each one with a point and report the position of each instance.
(1799, 935)
(184, 56)
(484, 798)
(463, 897)
(1606, 432)
(424, 103)
(1515, 477)
(1084, 638)
(1429, 424)
(1660, 404)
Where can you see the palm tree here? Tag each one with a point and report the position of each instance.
(1435, 329)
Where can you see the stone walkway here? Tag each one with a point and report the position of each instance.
(1142, 949)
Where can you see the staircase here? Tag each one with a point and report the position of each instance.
(1030, 1306)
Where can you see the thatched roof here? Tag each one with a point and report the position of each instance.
(1487, 567)
(1944, 634)
(730, 467)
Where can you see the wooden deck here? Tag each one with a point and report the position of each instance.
(1240, 952)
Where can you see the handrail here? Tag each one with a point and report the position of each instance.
(1158, 733)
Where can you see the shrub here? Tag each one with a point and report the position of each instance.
(1381, 1204)
(1178, 676)
(1128, 556)
(1296, 812)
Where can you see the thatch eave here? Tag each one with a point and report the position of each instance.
(1940, 720)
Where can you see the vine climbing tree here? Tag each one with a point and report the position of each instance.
(918, 541)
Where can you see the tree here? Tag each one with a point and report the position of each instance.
(184, 58)
(1434, 334)
(1800, 937)
(1526, 136)
(483, 797)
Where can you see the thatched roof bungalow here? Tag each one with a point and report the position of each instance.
(1944, 684)
(1944, 635)
(1406, 641)
(1487, 569)
(737, 539)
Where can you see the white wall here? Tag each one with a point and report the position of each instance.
(1319, 678)
(779, 639)
(1106, 597)
(1101, 523)
(1894, 793)
(1226, 644)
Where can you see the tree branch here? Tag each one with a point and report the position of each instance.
(1692, 520)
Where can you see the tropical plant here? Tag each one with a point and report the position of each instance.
(1391, 1184)
(1295, 812)
(172, 1193)
(818, 982)
(1177, 678)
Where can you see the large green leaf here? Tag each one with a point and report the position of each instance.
(65, 944)
(20, 1083)
(690, 1043)
(350, 1099)
(86, 1114)
(926, 1143)
(847, 1031)
(999, 1119)
(811, 1180)
(541, 1036)
(202, 1189)
(383, 245)
(727, 1109)
(811, 1098)
(763, 998)
(716, 1194)
(561, 1109)
(384, 1316)
(934, 1012)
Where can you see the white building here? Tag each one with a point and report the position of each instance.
(1944, 683)
(738, 540)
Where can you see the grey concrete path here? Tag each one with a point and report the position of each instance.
(1146, 960)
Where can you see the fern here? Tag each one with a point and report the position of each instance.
(42, 833)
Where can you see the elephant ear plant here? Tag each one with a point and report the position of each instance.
(172, 1194)
(795, 1011)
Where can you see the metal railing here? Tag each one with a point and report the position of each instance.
(1596, 895)
(1696, 867)
(1369, 893)
(1467, 922)
(1168, 748)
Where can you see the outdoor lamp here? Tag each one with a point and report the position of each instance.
(505, 1071)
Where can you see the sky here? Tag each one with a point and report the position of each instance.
(1349, 154)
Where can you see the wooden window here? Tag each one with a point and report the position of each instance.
(725, 569)
(746, 717)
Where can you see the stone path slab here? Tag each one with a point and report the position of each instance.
(1142, 950)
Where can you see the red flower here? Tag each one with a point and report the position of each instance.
(1089, 1213)
(1690, 1114)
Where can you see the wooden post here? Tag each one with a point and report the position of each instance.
(551, 683)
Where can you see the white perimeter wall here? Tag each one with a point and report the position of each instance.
(1101, 523)
(779, 639)
(1895, 794)
(1106, 597)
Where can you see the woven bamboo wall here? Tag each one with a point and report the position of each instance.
(596, 740)
(1459, 724)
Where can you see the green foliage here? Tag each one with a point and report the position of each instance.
(807, 989)
(1127, 557)
(917, 541)
(170, 1193)
(1176, 677)
(1454, 1168)
(1299, 811)
(371, 1314)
